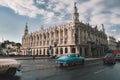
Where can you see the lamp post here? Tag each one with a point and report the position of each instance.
(55, 45)
(29, 52)
(50, 50)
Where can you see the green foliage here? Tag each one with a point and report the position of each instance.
(2, 45)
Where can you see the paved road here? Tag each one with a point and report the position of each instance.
(47, 69)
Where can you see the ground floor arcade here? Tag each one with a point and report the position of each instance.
(83, 50)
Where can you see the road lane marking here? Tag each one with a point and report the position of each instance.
(99, 71)
(89, 64)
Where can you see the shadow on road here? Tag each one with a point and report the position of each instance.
(6, 77)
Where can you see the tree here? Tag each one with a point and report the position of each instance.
(18, 44)
(3, 45)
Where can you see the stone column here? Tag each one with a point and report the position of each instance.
(59, 37)
(78, 36)
(63, 50)
(42, 39)
(54, 51)
(63, 36)
(81, 36)
(77, 49)
(69, 49)
(83, 51)
(89, 50)
(50, 38)
(69, 36)
(99, 51)
(58, 51)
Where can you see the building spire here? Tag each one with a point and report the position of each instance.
(26, 27)
(75, 4)
(75, 14)
(26, 30)
(75, 8)
(103, 29)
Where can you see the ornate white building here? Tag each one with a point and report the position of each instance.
(71, 37)
(112, 44)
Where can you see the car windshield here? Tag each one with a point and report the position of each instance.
(108, 55)
(70, 55)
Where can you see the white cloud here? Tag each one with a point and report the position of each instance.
(22, 7)
(48, 18)
(40, 1)
(96, 12)
(114, 30)
(119, 38)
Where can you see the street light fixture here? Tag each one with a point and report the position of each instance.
(55, 45)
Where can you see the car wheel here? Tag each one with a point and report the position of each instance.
(104, 62)
(114, 62)
(69, 64)
(11, 71)
(82, 62)
(61, 64)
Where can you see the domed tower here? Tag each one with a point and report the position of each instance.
(26, 30)
(75, 14)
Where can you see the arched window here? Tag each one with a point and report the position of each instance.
(56, 50)
(48, 52)
(44, 52)
(66, 50)
(52, 51)
(73, 50)
(40, 52)
(33, 52)
(37, 53)
(47, 35)
(40, 36)
(61, 50)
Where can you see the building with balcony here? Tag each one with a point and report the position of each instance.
(74, 36)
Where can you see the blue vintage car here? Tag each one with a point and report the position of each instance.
(70, 59)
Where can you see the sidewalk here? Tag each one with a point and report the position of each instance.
(25, 58)
(31, 58)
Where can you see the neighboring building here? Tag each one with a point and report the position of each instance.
(70, 37)
(118, 45)
(112, 44)
(10, 47)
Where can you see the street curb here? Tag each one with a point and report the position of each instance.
(87, 60)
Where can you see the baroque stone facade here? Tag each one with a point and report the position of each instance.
(70, 37)
(112, 44)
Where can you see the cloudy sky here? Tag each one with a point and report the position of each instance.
(14, 14)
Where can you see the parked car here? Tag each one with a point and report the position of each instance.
(117, 57)
(9, 66)
(70, 58)
(109, 58)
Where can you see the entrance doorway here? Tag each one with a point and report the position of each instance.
(66, 50)
(73, 50)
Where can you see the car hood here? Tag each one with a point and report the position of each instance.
(8, 61)
(81, 57)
